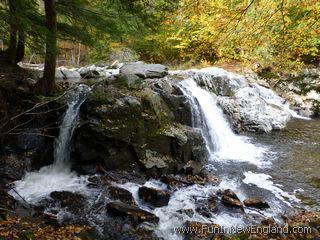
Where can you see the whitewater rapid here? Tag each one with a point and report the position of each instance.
(35, 186)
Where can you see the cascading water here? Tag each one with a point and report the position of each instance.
(221, 142)
(57, 177)
(272, 98)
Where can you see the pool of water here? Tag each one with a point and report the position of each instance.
(296, 160)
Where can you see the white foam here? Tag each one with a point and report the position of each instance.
(272, 98)
(221, 142)
(35, 186)
(264, 181)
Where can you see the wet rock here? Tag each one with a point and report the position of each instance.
(9, 206)
(121, 228)
(249, 111)
(122, 194)
(134, 213)
(201, 231)
(218, 80)
(188, 212)
(256, 202)
(73, 202)
(175, 181)
(11, 169)
(156, 197)
(229, 198)
(268, 222)
(145, 70)
(207, 207)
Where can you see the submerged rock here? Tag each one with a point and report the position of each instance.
(73, 202)
(189, 212)
(175, 181)
(134, 213)
(156, 197)
(256, 202)
(207, 207)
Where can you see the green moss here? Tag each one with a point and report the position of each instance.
(100, 97)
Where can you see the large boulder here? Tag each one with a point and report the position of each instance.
(128, 129)
(218, 80)
(70, 74)
(144, 70)
(248, 111)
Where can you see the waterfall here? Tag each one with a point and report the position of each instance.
(272, 98)
(35, 186)
(62, 143)
(221, 142)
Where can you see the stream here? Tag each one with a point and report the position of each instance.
(281, 167)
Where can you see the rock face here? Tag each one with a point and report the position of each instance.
(250, 107)
(157, 198)
(218, 80)
(249, 112)
(303, 91)
(124, 128)
(143, 70)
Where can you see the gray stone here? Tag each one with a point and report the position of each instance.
(250, 112)
(218, 80)
(70, 73)
(144, 70)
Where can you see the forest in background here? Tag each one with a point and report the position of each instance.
(281, 34)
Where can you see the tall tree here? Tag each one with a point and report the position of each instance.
(46, 84)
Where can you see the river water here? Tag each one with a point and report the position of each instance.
(296, 165)
(281, 167)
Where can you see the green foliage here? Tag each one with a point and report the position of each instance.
(279, 33)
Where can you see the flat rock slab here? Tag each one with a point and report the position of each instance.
(144, 70)
(157, 198)
(125, 210)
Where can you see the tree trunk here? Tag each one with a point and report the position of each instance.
(20, 47)
(46, 84)
(8, 57)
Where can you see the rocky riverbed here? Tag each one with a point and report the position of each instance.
(142, 160)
